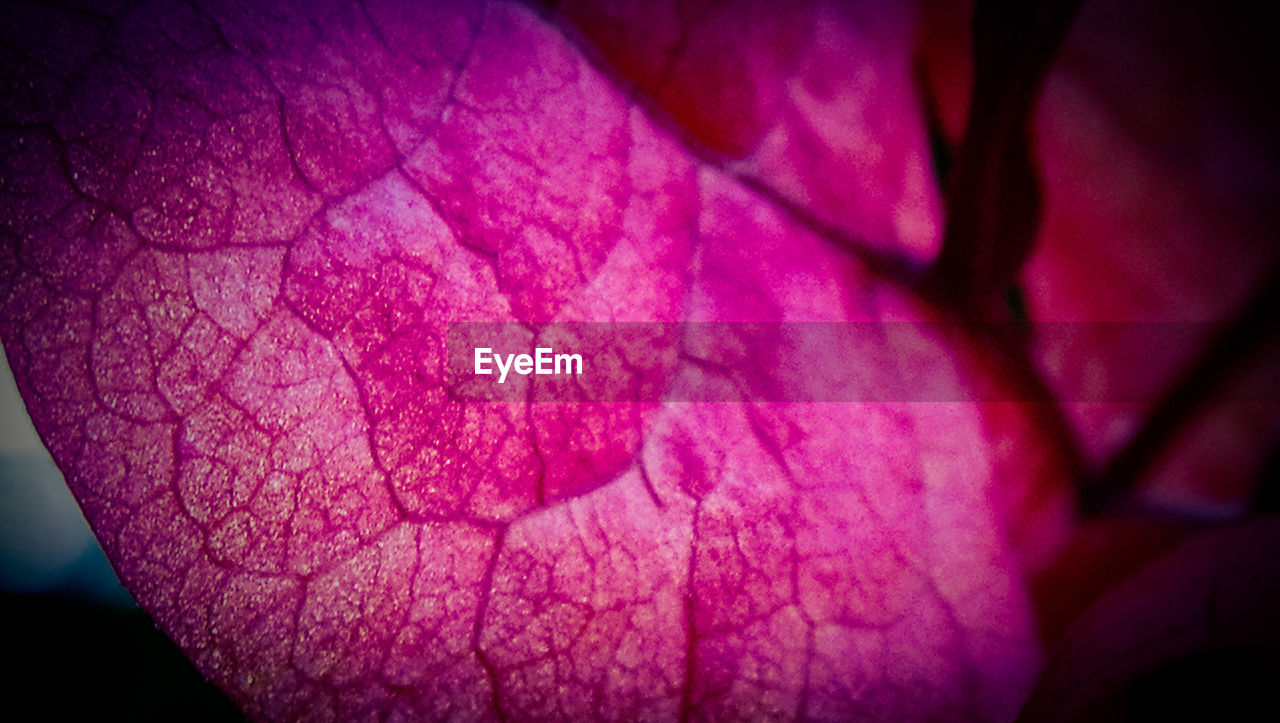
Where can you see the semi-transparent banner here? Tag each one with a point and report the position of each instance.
(814, 361)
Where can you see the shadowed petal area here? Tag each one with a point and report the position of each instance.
(814, 101)
(1161, 174)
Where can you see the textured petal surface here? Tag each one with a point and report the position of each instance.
(234, 238)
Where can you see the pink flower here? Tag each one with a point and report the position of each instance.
(240, 240)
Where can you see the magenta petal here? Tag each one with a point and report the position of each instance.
(234, 243)
(815, 101)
